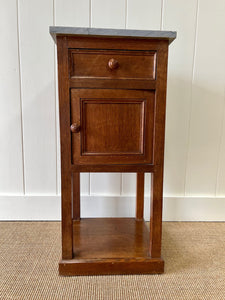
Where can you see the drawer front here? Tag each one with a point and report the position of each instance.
(118, 64)
(112, 126)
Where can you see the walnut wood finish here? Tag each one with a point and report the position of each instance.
(76, 196)
(111, 266)
(110, 238)
(157, 176)
(66, 176)
(110, 246)
(121, 64)
(113, 168)
(140, 196)
(116, 126)
(112, 99)
(111, 83)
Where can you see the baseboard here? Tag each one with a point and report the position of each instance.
(47, 207)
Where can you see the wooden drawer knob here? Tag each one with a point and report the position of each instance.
(113, 64)
(75, 127)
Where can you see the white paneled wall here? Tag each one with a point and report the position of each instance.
(208, 95)
(194, 185)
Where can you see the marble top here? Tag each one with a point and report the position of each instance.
(152, 34)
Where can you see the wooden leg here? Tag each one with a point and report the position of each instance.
(67, 230)
(156, 213)
(76, 196)
(140, 196)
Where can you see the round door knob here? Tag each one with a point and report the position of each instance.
(75, 127)
(113, 64)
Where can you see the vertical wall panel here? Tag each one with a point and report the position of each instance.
(105, 14)
(38, 95)
(144, 14)
(207, 100)
(108, 14)
(71, 13)
(180, 68)
(11, 164)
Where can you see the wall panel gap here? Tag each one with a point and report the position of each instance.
(162, 15)
(126, 12)
(20, 96)
(121, 183)
(90, 13)
(89, 191)
(191, 100)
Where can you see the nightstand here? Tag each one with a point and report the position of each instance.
(112, 102)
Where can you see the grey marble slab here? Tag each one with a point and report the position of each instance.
(156, 34)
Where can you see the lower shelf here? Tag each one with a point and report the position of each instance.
(104, 246)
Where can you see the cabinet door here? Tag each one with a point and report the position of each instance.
(112, 126)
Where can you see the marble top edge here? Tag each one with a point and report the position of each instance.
(170, 35)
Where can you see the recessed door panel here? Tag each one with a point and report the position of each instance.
(112, 126)
(105, 126)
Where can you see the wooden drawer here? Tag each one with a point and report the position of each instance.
(112, 64)
(112, 126)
